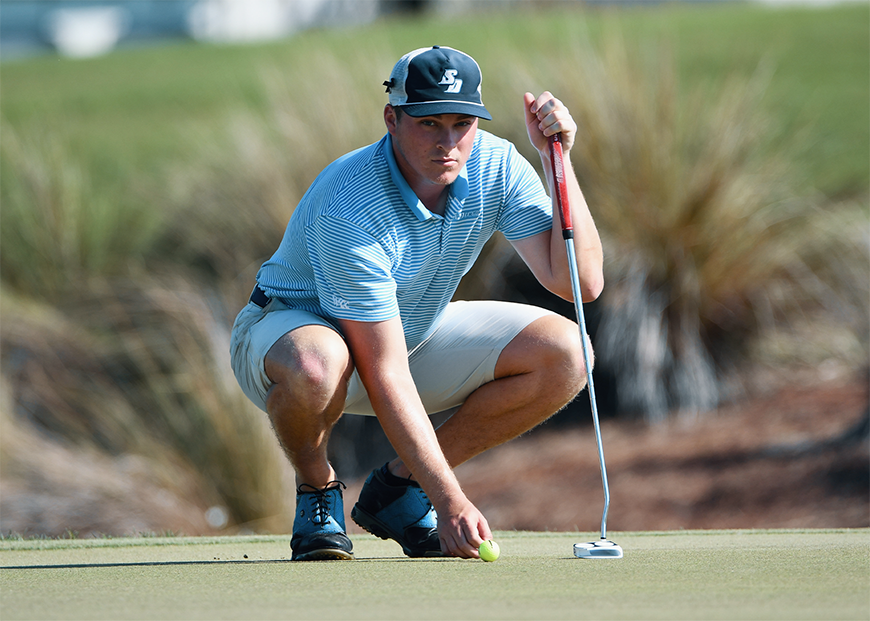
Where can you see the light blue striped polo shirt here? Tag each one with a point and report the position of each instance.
(360, 245)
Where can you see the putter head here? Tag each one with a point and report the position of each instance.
(597, 549)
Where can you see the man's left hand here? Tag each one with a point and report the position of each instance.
(545, 116)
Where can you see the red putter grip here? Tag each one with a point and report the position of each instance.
(561, 188)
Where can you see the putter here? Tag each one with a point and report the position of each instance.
(601, 548)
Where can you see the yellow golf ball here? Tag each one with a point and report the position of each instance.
(488, 551)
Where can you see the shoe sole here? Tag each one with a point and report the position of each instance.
(377, 528)
(324, 554)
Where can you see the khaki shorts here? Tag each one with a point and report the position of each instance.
(454, 361)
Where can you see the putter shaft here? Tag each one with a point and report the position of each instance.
(555, 142)
(590, 385)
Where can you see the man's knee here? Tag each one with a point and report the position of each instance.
(551, 346)
(566, 355)
(311, 365)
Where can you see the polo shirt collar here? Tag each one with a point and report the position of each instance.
(458, 189)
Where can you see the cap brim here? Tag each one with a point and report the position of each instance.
(447, 107)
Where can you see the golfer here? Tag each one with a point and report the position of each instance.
(353, 312)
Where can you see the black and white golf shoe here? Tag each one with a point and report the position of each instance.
(319, 532)
(398, 510)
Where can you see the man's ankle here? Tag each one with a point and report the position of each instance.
(317, 481)
(397, 473)
(307, 487)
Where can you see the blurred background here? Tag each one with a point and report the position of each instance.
(151, 153)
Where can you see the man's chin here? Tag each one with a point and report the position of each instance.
(446, 178)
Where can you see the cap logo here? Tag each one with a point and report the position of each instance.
(449, 79)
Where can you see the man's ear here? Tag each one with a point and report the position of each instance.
(391, 119)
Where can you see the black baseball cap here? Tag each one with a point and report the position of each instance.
(437, 80)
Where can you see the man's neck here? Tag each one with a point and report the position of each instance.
(438, 203)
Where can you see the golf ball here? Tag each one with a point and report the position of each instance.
(488, 551)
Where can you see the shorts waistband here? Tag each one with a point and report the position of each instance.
(259, 297)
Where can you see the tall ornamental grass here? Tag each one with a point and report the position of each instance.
(106, 349)
(118, 294)
(56, 231)
(707, 224)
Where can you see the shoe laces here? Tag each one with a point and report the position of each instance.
(320, 500)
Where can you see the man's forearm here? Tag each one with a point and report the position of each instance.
(411, 434)
(381, 361)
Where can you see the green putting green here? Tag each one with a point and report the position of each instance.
(782, 574)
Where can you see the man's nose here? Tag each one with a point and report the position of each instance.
(448, 139)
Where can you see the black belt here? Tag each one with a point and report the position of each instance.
(259, 297)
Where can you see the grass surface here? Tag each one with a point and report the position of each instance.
(671, 575)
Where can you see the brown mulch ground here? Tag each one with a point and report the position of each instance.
(796, 458)
(787, 460)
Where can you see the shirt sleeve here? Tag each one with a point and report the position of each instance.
(528, 209)
(352, 271)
